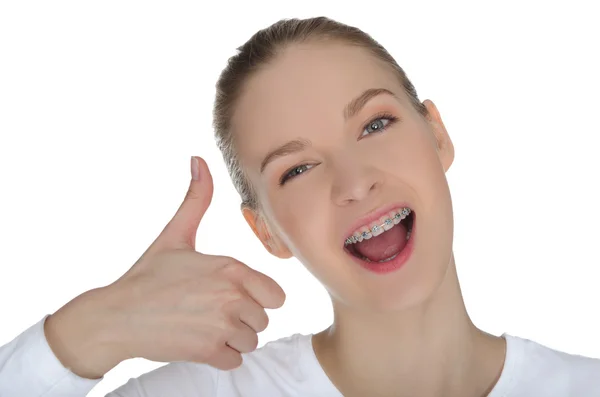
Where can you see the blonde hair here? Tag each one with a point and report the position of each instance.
(261, 49)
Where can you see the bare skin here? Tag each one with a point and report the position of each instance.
(174, 304)
(461, 361)
(402, 334)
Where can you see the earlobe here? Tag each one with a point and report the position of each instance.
(444, 145)
(261, 230)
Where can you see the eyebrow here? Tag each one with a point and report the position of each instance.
(297, 145)
(350, 111)
(360, 101)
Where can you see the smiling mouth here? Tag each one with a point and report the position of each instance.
(384, 244)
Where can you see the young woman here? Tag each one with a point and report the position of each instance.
(340, 165)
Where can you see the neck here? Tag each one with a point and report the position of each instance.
(431, 349)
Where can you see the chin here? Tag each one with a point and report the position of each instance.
(417, 283)
(406, 296)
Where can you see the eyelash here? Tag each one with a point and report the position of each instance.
(380, 116)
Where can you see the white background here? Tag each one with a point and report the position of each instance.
(103, 103)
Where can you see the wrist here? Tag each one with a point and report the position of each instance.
(83, 335)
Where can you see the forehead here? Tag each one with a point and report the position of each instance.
(306, 86)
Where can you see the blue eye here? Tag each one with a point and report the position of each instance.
(377, 124)
(293, 173)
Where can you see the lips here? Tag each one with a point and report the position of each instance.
(372, 216)
(395, 263)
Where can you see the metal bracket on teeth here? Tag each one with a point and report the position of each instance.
(353, 239)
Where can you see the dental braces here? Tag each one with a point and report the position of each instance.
(388, 222)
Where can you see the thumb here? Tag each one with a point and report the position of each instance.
(180, 232)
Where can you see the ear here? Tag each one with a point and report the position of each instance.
(445, 147)
(259, 226)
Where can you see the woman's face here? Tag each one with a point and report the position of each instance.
(337, 171)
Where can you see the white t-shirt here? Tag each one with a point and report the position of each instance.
(283, 368)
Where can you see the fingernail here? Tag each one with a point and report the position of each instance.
(195, 169)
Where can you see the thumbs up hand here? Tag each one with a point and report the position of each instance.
(174, 304)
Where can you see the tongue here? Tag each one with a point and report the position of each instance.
(383, 246)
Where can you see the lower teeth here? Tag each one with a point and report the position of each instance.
(381, 261)
(389, 259)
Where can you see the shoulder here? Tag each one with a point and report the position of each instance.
(544, 359)
(533, 367)
(274, 367)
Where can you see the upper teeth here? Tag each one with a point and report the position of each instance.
(383, 224)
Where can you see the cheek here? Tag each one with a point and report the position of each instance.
(302, 215)
(410, 154)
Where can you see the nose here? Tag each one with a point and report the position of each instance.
(354, 181)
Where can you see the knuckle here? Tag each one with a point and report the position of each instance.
(248, 342)
(278, 297)
(236, 361)
(263, 322)
(232, 326)
(233, 267)
(220, 341)
(224, 259)
(225, 326)
(231, 300)
(282, 300)
(216, 344)
(253, 342)
(191, 195)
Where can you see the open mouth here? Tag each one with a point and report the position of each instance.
(386, 246)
